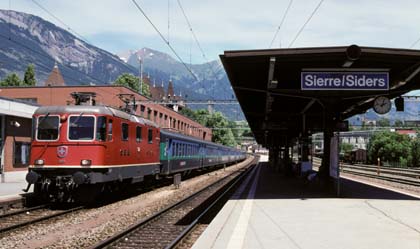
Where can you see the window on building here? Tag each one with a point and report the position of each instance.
(142, 108)
(150, 136)
(149, 113)
(29, 100)
(124, 131)
(138, 133)
(21, 151)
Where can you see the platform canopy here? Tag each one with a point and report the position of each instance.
(268, 85)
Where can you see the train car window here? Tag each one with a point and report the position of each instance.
(81, 127)
(101, 129)
(138, 133)
(124, 131)
(109, 136)
(173, 149)
(150, 136)
(48, 127)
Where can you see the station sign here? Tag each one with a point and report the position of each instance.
(371, 81)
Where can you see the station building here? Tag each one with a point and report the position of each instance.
(15, 136)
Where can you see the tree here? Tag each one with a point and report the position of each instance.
(415, 152)
(129, 81)
(11, 80)
(346, 147)
(145, 90)
(383, 122)
(132, 82)
(29, 78)
(398, 123)
(389, 146)
(189, 113)
(222, 132)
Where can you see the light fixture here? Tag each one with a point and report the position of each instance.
(86, 162)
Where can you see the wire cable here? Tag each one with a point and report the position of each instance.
(415, 43)
(281, 23)
(197, 42)
(164, 39)
(307, 21)
(75, 32)
(59, 20)
(49, 58)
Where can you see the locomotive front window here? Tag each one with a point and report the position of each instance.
(81, 127)
(48, 127)
(101, 129)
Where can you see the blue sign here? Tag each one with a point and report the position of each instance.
(345, 81)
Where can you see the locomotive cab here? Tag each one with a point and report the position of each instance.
(78, 146)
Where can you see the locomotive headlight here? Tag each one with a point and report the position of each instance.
(86, 162)
(39, 162)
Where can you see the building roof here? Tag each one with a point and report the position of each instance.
(55, 78)
(170, 91)
(17, 108)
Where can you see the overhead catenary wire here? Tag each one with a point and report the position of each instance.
(196, 40)
(307, 21)
(281, 23)
(164, 39)
(415, 43)
(48, 57)
(74, 31)
(59, 20)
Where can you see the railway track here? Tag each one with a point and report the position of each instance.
(403, 173)
(29, 216)
(397, 175)
(386, 177)
(169, 227)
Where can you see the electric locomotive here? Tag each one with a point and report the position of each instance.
(79, 151)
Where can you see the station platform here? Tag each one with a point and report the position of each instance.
(272, 211)
(11, 185)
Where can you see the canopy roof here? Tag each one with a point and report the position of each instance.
(267, 84)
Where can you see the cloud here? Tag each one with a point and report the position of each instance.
(234, 24)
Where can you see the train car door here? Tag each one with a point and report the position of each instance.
(201, 154)
(168, 150)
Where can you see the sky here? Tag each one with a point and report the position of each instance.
(117, 25)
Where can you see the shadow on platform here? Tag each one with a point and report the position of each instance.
(274, 185)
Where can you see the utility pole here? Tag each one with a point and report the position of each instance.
(141, 74)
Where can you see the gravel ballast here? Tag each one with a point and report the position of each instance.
(85, 228)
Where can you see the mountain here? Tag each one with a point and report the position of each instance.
(26, 39)
(411, 112)
(209, 81)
